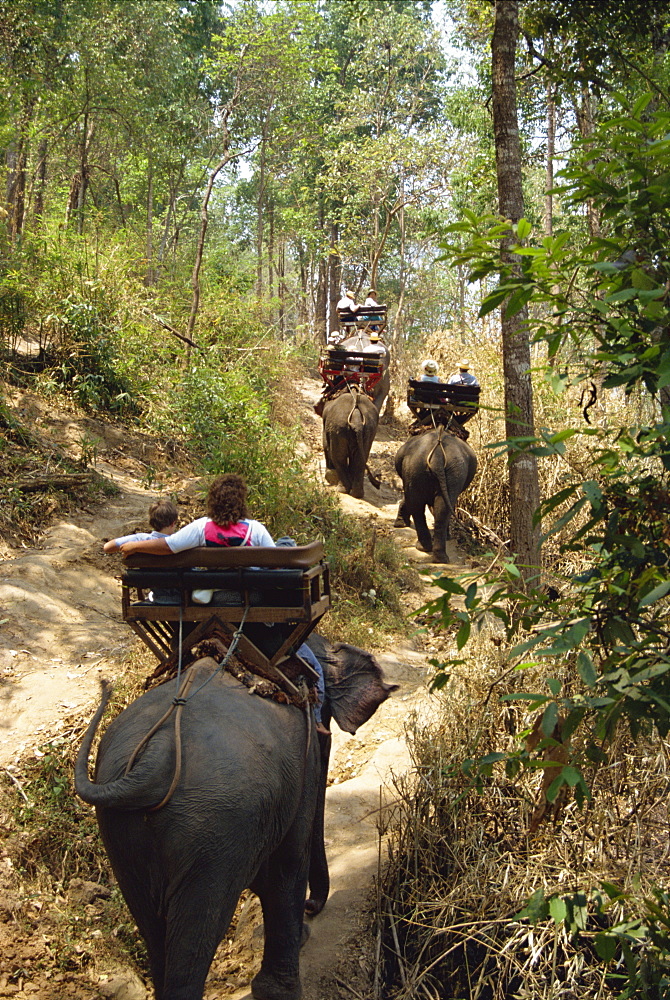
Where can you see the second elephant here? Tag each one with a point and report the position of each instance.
(349, 428)
(435, 468)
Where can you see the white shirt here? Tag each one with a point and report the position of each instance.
(370, 301)
(463, 378)
(346, 303)
(193, 535)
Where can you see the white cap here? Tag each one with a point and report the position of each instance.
(429, 366)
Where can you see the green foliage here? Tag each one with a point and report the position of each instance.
(609, 920)
(606, 314)
(60, 834)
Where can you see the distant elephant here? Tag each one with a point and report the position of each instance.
(361, 342)
(435, 468)
(247, 812)
(349, 427)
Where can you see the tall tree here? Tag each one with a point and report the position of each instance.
(519, 417)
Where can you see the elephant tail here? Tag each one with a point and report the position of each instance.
(357, 423)
(144, 786)
(436, 462)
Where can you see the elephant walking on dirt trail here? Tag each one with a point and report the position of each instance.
(435, 468)
(232, 798)
(349, 427)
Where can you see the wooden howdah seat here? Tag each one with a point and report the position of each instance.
(339, 368)
(461, 400)
(367, 320)
(285, 587)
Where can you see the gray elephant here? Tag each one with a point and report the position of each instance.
(435, 468)
(349, 427)
(362, 342)
(246, 812)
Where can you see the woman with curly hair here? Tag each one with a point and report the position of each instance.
(226, 524)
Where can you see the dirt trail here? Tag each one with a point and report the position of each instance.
(61, 629)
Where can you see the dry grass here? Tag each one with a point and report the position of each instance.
(462, 864)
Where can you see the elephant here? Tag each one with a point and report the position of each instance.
(435, 468)
(361, 342)
(349, 426)
(246, 812)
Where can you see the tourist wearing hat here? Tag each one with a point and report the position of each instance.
(463, 376)
(429, 371)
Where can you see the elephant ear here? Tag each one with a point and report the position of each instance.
(355, 685)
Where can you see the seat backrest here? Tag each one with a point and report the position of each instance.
(287, 557)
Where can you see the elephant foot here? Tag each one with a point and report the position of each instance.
(440, 557)
(265, 986)
(332, 477)
(399, 523)
(314, 905)
(424, 548)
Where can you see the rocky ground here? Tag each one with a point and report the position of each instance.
(61, 631)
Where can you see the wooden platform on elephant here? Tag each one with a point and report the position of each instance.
(452, 398)
(267, 599)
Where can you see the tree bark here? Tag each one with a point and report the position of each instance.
(551, 150)
(334, 279)
(150, 278)
(226, 157)
(585, 123)
(17, 161)
(519, 418)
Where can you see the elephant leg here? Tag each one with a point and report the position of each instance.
(332, 477)
(319, 879)
(424, 539)
(282, 887)
(198, 916)
(131, 869)
(403, 520)
(441, 529)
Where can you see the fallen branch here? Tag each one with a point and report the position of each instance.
(58, 481)
(486, 531)
(170, 329)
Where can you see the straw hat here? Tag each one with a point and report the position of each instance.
(463, 365)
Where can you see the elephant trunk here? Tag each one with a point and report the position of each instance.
(140, 789)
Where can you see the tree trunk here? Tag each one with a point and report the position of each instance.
(87, 139)
(334, 279)
(150, 278)
(17, 160)
(551, 150)
(271, 246)
(40, 182)
(519, 418)
(321, 305)
(461, 275)
(260, 208)
(585, 122)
